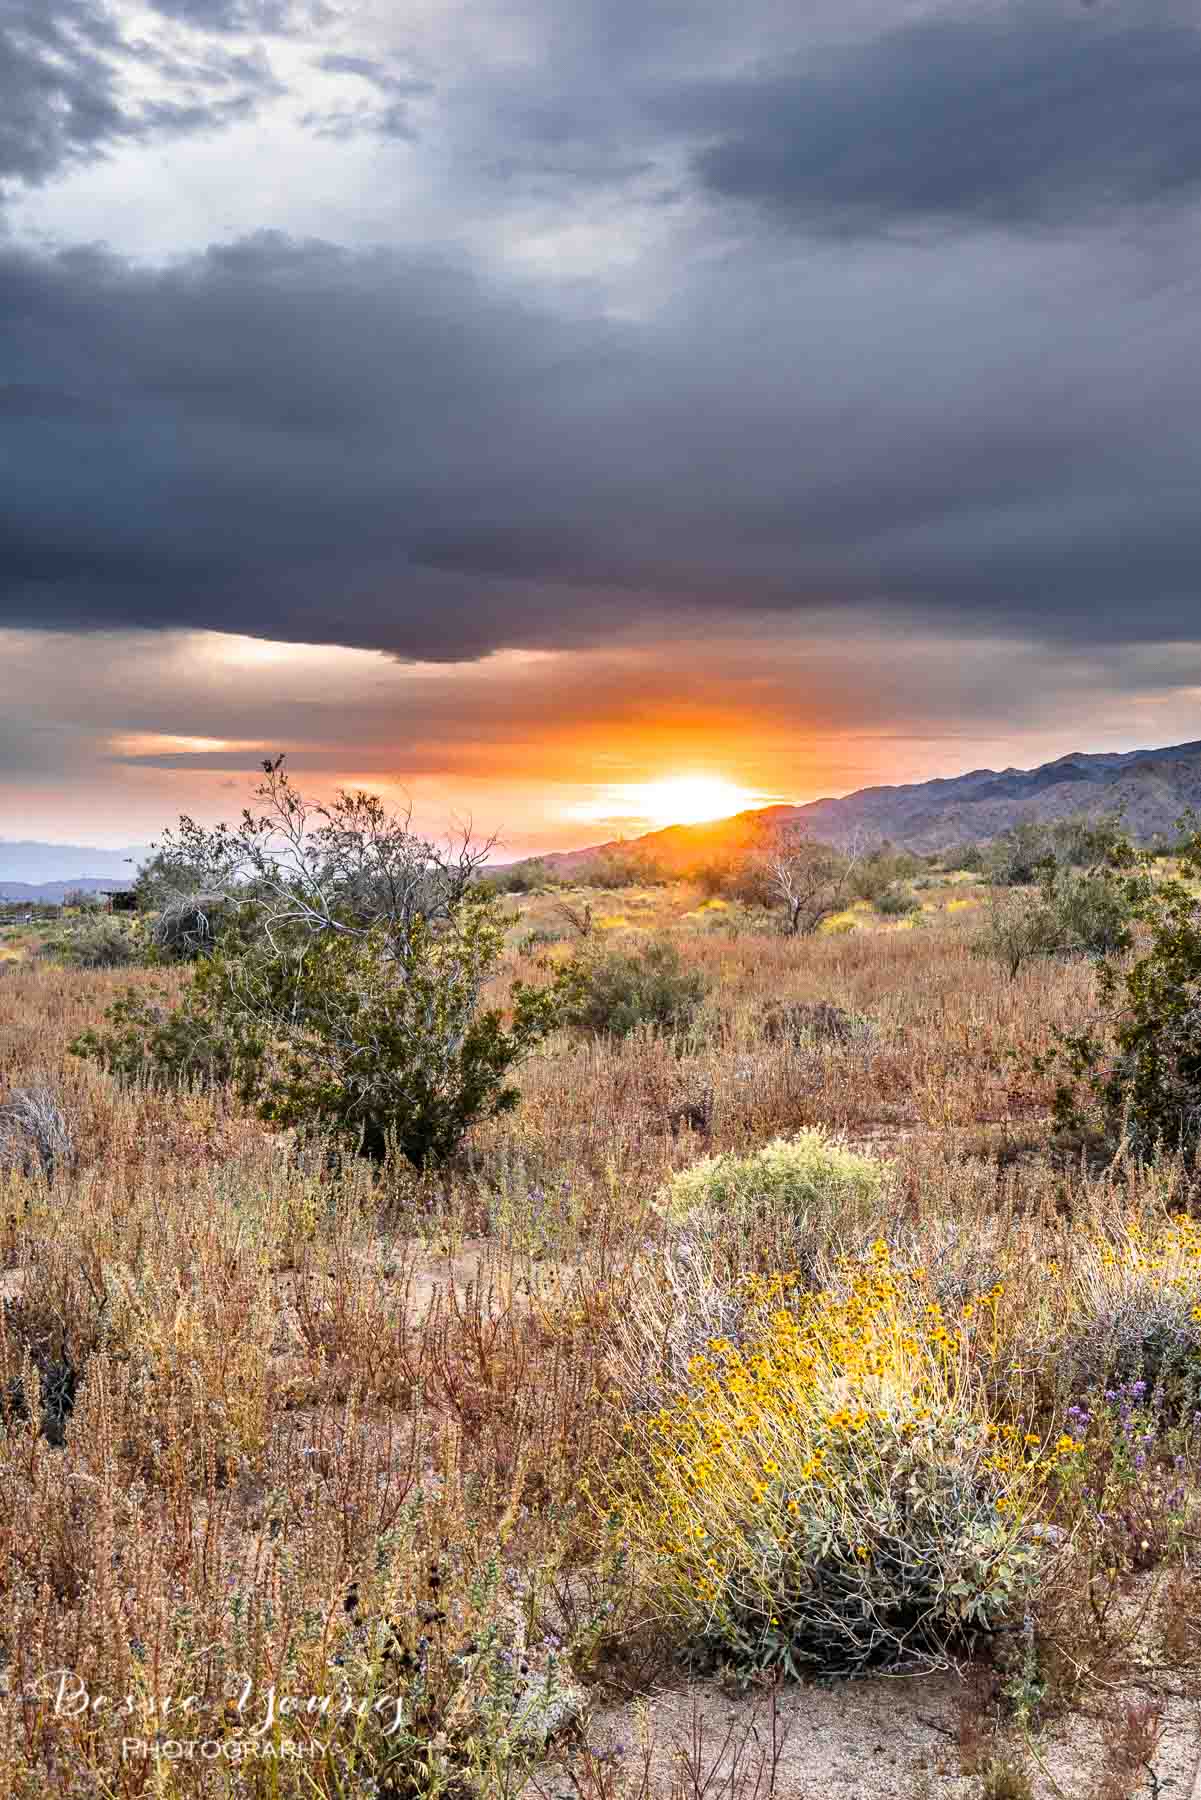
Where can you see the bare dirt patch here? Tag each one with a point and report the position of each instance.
(879, 1739)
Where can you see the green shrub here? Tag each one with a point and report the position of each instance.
(1022, 855)
(1087, 840)
(883, 871)
(519, 878)
(399, 1054)
(621, 868)
(1093, 913)
(811, 1176)
(1086, 914)
(616, 991)
(150, 1041)
(339, 1037)
(1013, 929)
(344, 996)
(96, 943)
(896, 902)
(1141, 1080)
(1017, 857)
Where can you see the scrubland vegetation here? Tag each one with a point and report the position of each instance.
(435, 1323)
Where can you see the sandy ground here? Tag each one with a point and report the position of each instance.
(877, 1739)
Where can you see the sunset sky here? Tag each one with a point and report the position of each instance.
(523, 404)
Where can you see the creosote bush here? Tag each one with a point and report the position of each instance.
(151, 1040)
(616, 991)
(1070, 914)
(343, 1038)
(831, 1493)
(1139, 1080)
(898, 902)
(341, 990)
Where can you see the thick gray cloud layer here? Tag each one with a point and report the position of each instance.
(1026, 117)
(919, 330)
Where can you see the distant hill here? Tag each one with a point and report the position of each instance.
(52, 893)
(1151, 789)
(35, 871)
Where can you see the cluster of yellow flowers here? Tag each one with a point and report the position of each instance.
(802, 1418)
(846, 1423)
(1172, 1250)
(1164, 1255)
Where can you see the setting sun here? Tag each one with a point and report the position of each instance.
(688, 799)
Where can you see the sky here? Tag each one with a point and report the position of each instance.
(520, 407)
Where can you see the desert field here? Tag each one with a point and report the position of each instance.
(328, 1480)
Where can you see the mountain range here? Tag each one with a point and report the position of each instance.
(46, 872)
(1151, 789)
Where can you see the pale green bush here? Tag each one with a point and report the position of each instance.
(809, 1178)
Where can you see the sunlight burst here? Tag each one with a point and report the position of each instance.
(687, 799)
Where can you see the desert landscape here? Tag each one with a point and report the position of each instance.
(777, 1398)
(600, 900)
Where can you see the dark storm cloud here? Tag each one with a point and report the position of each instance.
(63, 98)
(1028, 116)
(285, 422)
(387, 450)
(57, 85)
(25, 400)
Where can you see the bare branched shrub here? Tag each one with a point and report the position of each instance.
(186, 926)
(579, 918)
(808, 880)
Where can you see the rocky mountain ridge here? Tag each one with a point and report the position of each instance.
(1151, 789)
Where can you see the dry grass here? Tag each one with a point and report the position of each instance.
(328, 1433)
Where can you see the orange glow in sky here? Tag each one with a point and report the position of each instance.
(672, 800)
